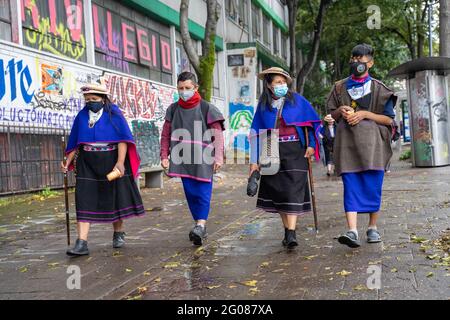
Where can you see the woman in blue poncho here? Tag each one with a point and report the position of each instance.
(101, 141)
(287, 191)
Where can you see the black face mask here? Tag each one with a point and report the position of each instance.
(94, 106)
(358, 68)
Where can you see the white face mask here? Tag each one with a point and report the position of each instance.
(185, 95)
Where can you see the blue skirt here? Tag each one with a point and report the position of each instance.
(362, 191)
(198, 196)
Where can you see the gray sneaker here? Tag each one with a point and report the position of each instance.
(350, 239)
(118, 239)
(197, 234)
(373, 236)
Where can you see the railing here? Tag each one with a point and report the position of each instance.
(30, 159)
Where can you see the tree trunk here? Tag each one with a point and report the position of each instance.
(311, 60)
(203, 65)
(292, 10)
(444, 28)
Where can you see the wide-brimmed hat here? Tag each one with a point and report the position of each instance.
(94, 88)
(275, 70)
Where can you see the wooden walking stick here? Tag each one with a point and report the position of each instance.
(311, 184)
(66, 190)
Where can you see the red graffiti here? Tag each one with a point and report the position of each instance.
(136, 98)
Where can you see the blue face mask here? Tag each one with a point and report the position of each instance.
(94, 106)
(185, 95)
(280, 90)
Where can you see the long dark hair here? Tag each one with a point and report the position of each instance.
(108, 107)
(266, 97)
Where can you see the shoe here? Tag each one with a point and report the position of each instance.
(350, 239)
(197, 234)
(373, 236)
(291, 239)
(284, 242)
(118, 239)
(80, 249)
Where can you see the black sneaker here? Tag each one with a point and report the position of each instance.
(197, 234)
(373, 236)
(80, 249)
(350, 239)
(291, 239)
(118, 239)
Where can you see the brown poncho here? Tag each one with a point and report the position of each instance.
(367, 145)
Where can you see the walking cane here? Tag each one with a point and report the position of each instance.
(311, 184)
(66, 190)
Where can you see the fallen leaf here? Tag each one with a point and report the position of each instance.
(393, 270)
(360, 287)
(146, 274)
(416, 239)
(335, 194)
(214, 287)
(253, 291)
(171, 265)
(432, 257)
(128, 270)
(138, 297)
(343, 273)
(157, 280)
(53, 264)
(264, 264)
(23, 269)
(232, 286)
(250, 283)
(142, 290)
(311, 257)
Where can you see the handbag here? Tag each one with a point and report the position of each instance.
(269, 159)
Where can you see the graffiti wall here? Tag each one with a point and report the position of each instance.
(35, 91)
(55, 26)
(242, 94)
(131, 46)
(45, 92)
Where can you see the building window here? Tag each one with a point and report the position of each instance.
(256, 23)
(136, 46)
(284, 45)
(276, 42)
(232, 9)
(5, 20)
(266, 30)
(243, 14)
(237, 11)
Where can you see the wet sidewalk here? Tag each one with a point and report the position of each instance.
(243, 257)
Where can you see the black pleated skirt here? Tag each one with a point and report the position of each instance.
(99, 200)
(288, 190)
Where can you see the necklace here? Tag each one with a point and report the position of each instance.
(94, 117)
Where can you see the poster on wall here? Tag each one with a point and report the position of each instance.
(242, 66)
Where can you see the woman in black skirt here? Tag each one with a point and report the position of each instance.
(101, 142)
(287, 191)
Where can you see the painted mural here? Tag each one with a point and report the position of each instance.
(242, 93)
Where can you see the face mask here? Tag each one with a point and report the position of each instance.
(358, 68)
(185, 95)
(94, 106)
(280, 90)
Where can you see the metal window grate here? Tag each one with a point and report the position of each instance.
(30, 159)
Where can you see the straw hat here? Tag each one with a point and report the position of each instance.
(94, 88)
(275, 70)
